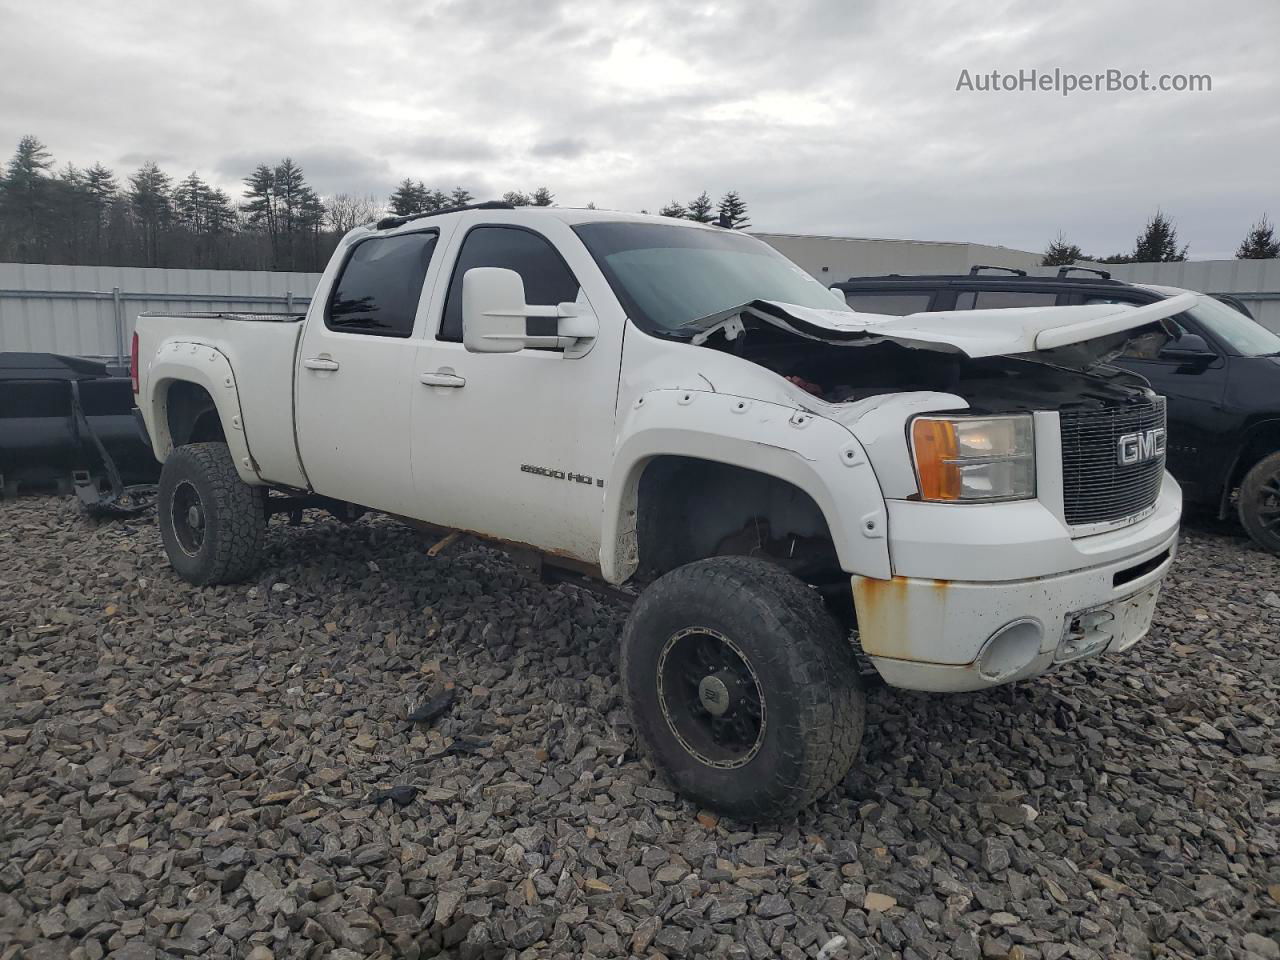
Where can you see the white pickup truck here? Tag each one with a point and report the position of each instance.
(977, 495)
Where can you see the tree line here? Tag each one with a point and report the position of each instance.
(279, 222)
(1158, 243)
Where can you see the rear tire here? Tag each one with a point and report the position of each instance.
(1260, 503)
(742, 686)
(213, 524)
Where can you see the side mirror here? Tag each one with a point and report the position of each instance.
(494, 317)
(1188, 348)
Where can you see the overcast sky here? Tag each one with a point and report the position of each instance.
(827, 116)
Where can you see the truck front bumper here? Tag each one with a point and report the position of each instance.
(956, 635)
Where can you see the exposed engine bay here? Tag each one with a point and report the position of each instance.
(846, 373)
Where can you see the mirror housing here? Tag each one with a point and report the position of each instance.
(494, 317)
(1188, 348)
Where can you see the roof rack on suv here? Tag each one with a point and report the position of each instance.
(386, 223)
(1104, 274)
(977, 268)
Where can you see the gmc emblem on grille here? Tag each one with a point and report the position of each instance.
(1139, 447)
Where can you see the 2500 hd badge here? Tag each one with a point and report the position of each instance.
(560, 475)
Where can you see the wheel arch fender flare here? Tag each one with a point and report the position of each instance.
(1235, 473)
(814, 454)
(207, 367)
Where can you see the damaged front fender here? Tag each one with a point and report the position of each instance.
(816, 455)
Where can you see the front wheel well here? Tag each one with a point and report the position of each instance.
(690, 509)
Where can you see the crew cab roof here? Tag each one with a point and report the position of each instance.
(569, 215)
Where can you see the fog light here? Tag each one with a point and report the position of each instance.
(1010, 649)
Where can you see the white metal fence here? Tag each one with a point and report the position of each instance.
(90, 311)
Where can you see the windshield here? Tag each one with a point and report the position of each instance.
(1246, 337)
(667, 276)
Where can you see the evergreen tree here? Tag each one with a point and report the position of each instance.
(190, 203)
(460, 197)
(542, 197)
(152, 208)
(674, 209)
(298, 205)
(1060, 253)
(1158, 242)
(260, 200)
(279, 201)
(71, 218)
(700, 209)
(516, 198)
(102, 191)
(733, 211)
(26, 195)
(433, 200)
(219, 212)
(1260, 243)
(408, 198)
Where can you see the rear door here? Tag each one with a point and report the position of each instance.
(355, 372)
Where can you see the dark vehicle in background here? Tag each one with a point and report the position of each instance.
(1220, 373)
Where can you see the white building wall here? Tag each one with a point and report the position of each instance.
(839, 258)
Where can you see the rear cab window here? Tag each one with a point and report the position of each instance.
(378, 289)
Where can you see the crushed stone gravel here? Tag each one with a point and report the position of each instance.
(213, 772)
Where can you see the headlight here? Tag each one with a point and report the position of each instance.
(969, 459)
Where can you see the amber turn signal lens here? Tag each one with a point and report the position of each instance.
(936, 446)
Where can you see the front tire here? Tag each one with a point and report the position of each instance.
(742, 686)
(213, 524)
(1260, 503)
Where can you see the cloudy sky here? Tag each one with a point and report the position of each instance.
(828, 116)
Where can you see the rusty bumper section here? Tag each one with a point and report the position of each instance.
(952, 635)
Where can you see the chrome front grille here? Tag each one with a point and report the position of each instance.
(1097, 486)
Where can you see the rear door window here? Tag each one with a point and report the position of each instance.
(380, 285)
(1003, 299)
(894, 304)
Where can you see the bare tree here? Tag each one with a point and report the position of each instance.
(345, 211)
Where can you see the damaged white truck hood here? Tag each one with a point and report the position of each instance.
(975, 333)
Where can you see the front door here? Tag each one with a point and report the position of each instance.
(355, 373)
(518, 445)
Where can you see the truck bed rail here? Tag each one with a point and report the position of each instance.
(224, 315)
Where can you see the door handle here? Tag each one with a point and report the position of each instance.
(440, 379)
(320, 363)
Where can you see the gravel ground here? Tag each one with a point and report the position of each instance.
(195, 771)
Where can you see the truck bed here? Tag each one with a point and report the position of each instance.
(261, 353)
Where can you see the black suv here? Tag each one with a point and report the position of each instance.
(1221, 374)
